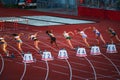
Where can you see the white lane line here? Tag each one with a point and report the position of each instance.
(23, 72)
(21, 78)
(47, 73)
(89, 63)
(102, 54)
(116, 68)
(29, 46)
(39, 67)
(58, 72)
(48, 46)
(117, 60)
(106, 58)
(66, 61)
(79, 64)
(112, 63)
(102, 76)
(70, 68)
(95, 75)
(113, 77)
(86, 59)
(2, 64)
(46, 78)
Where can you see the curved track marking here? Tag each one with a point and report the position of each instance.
(31, 47)
(112, 63)
(24, 63)
(91, 63)
(23, 72)
(87, 60)
(2, 64)
(92, 68)
(49, 46)
(70, 68)
(45, 61)
(82, 43)
(46, 78)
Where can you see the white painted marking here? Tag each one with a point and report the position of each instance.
(2, 64)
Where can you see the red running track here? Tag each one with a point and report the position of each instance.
(102, 67)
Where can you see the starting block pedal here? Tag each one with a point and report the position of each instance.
(62, 54)
(28, 58)
(46, 56)
(95, 50)
(81, 52)
(111, 48)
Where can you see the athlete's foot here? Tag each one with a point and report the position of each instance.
(22, 54)
(89, 47)
(106, 45)
(8, 55)
(73, 48)
(40, 52)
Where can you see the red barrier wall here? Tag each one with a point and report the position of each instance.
(113, 15)
(98, 13)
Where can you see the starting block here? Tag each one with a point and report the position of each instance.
(111, 48)
(46, 56)
(62, 54)
(81, 52)
(28, 58)
(95, 50)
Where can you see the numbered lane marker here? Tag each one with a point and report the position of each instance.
(81, 52)
(95, 50)
(111, 48)
(28, 58)
(62, 54)
(46, 56)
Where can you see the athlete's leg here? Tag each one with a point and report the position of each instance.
(19, 46)
(85, 40)
(5, 50)
(70, 44)
(101, 37)
(36, 44)
(117, 38)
